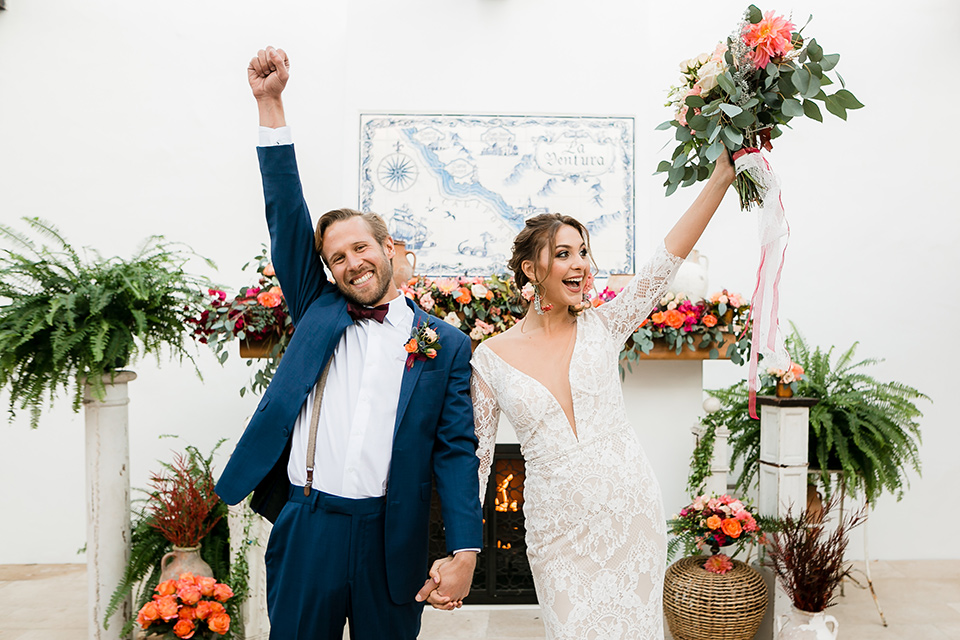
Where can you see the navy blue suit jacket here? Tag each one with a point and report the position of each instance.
(433, 433)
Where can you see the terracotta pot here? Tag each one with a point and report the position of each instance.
(403, 269)
(784, 390)
(250, 348)
(182, 560)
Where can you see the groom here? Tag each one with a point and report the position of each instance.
(351, 521)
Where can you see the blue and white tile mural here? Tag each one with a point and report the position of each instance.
(457, 189)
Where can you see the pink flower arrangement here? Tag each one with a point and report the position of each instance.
(714, 522)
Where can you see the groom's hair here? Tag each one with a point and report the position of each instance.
(539, 233)
(376, 224)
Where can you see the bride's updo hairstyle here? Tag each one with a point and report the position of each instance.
(539, 233)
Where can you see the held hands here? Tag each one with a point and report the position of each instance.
(268, 73)
(449, 581)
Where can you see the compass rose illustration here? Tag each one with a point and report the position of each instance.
(397, 171)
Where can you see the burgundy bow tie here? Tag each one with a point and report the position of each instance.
(377, 313)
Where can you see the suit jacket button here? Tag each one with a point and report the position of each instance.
(285, 432)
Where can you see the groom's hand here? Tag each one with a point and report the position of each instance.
(268, 73)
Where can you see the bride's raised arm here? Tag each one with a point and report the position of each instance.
(486, 417)
(624, 313)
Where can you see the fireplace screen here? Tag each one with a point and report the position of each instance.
(503, 573)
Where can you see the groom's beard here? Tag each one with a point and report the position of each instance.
(383, 277)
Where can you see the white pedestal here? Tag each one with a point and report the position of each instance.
(784, 436)
(108, 502)
(249, 534)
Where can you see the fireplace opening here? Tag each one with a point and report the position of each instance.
(503, 573)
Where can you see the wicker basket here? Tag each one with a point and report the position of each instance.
(700, 605)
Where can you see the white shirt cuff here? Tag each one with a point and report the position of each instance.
(274, 137)
(459, 550)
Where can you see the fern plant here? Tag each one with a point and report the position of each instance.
(861, 426)
(65, 320)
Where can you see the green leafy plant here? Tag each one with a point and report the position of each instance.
(65, 320)
(861, 426)
(149, 542)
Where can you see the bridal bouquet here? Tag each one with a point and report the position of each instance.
(741, 94)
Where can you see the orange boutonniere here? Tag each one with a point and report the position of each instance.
(422, 345)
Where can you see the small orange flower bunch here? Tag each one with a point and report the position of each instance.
(190, 606)
(422, 345)
(714, 522)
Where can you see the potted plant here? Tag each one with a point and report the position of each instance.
(808, 562)
(710, 596)
(256, 315)
(862, 427)
(66, 321)
(180, 510)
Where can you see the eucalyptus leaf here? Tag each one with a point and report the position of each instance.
(829, 61)
(814, 50)
(812, 111)
(744, 119)
(663, 166)
(834, 107)
(666, 125)
(801, 80)
(793, 108)
(695, 102)
(671, 188)
(726, 82)
(732, 137)
(754, 15)
(714, 150)
(848, 100)
(683, 134)
(698, 122)
(730, 109)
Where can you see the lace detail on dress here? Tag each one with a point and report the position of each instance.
(596, 531)
(486, 417)
(623, 314)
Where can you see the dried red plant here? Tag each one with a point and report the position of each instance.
(181, 501)
(808, 560)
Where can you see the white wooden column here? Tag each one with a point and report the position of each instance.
(108, 501)
(784, 437)
(716, 482)
(248, 535)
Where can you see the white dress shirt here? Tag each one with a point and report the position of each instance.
(359, 410)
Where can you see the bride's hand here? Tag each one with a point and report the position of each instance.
(724, 170)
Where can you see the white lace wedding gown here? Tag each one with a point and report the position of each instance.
(596, 532)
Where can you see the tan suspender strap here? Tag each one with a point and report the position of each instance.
(314, 421)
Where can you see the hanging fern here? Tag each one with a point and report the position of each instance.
(863, 427)
(65, 320)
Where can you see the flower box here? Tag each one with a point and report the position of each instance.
(661, 351)
(262, 348)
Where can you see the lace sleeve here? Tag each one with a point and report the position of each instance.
(486, 417)
(623, 314)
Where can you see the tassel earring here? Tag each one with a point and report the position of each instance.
(537, 305)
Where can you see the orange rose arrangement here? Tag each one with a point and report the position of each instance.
(714, 522)
(189, 607)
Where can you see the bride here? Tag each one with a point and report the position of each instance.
(596, 531)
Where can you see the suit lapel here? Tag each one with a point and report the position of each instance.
(410, 374)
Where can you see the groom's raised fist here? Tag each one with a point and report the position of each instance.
(268, 73)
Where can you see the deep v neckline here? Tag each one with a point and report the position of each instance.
(573, 401)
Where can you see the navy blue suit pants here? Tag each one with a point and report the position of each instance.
(325, 567)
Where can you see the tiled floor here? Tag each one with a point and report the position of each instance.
(921, 600)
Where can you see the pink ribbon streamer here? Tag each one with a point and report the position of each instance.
(767, 340)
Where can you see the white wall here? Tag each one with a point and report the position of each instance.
(123, 119)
